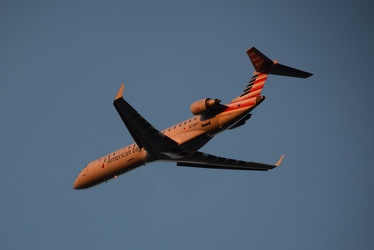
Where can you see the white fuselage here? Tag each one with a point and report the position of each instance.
(190, 135)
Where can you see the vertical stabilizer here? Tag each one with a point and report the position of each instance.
(263, 67)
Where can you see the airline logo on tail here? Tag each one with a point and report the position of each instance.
(255, 85)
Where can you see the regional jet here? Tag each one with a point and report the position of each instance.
(180, 143)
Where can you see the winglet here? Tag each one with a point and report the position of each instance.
(279, 161)
(120, 92)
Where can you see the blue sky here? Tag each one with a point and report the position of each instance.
(61, 64)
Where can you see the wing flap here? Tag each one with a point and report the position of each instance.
(202, 160)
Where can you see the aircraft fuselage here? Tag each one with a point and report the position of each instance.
(190, 134)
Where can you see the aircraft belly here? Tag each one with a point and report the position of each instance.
(228, 119)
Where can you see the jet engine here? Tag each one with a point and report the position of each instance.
(204, 105)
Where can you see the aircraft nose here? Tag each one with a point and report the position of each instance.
(77, 183)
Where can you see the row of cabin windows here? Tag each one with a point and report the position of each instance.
(180, 125)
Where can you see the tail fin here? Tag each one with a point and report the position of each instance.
(263, 67)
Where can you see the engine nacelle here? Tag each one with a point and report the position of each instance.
(204, 105)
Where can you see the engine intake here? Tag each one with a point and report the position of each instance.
(204, 105)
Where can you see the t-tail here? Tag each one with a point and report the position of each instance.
(263, 67)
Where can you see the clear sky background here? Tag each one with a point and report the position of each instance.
(62, 62)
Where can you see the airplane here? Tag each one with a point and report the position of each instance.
(181, 142)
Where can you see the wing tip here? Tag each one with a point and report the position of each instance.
(280, 160)
(120, 92)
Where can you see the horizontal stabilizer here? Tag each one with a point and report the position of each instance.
(282, 70)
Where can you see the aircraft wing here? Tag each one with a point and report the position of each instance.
(144, 134)
(202, 160)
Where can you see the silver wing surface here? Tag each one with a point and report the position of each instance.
(202, 160)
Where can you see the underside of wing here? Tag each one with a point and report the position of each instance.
(144, 134)
(202, 160)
